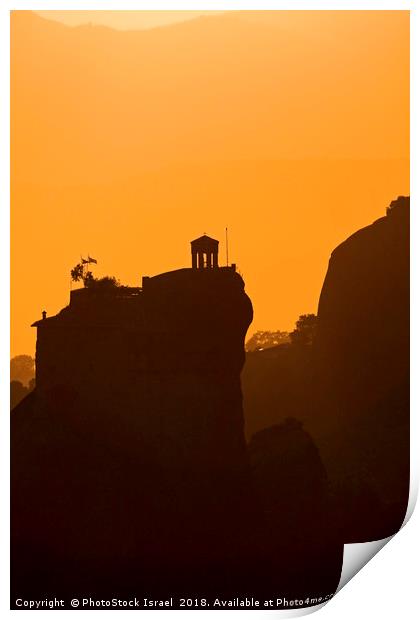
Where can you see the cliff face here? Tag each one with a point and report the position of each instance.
(169, 355)
(362, 349)
(131, 449)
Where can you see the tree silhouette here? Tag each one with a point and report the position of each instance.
(22, 368)
(266, 339)
(305, 329)
(88, 279)
(77, 272)
(105, 282)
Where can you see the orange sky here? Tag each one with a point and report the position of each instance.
(291, 128)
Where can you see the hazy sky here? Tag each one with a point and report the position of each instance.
(123, 20)
(289, 127)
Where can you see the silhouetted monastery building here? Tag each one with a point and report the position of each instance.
(176, 343)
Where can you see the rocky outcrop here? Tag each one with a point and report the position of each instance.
(362, 350)
(129, 461)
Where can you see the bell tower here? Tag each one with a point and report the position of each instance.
(204, 253)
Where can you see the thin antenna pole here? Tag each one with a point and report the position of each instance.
(227, 248)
